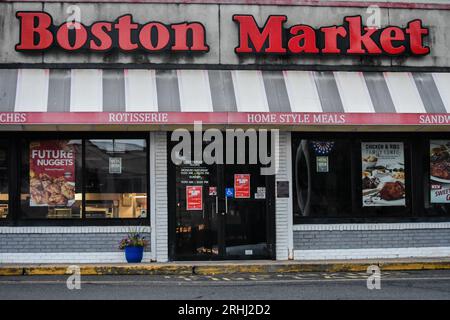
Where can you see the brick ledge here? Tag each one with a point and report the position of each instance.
(77, 229)
(371, 226)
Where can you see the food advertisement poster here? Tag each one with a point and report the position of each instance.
(383, 174)
(241, 186)
(52, 173)
(440, 171)
(194, 198)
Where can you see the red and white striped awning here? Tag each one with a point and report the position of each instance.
(138, 96)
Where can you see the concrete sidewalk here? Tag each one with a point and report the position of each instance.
(228, 267)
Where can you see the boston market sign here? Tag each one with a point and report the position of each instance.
(351, 38)
(38, 33)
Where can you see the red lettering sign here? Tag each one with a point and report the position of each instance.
(352, 38)
(194, 198)
(242, 186)
(38, 33)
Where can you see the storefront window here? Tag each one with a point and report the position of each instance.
(83, 179)
(116, 178)
(51, 179)
(350, 178)
(322, 183)
(3, 182)
(437, 178)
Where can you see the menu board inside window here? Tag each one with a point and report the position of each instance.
(383, 174)
(52, 173)
(440, 171)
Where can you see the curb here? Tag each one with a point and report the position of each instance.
(194, 269)
(325, 267)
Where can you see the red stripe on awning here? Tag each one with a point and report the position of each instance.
(223, 118)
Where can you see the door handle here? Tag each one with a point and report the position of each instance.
(303, 153)
(226, 205)
(217, 205)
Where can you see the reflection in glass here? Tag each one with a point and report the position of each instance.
(51, 179)
(3, 182)
(116, 178)
(322, 190)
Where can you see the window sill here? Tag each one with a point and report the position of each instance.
(76, 222)
(371, 226)
(75, 229)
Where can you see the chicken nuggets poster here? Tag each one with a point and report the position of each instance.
(383, 174)
(52, 173)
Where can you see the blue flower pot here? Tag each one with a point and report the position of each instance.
(134, 254)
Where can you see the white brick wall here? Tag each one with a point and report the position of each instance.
(283, 213)
(371, 226)
(381, 253)
(161, 209)
(77, 229)
(68, 257)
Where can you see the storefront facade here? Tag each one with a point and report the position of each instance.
(333, 119)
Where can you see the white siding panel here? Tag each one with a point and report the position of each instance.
(377, 253)
(302, 91)
(283, 209)
(250, 91)
(68, 257)
(140, 91)
(32, 90)
(195, 93)
(404, 92)
(442, 81)
(86, 90)
(161, 208)
(353, 91)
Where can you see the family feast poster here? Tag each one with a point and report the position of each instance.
(52, 173)
(241, 186)
(440, 171)
(383, 174)
(194, 198)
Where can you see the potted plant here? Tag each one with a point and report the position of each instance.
(133, 244)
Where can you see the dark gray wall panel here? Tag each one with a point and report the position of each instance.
(59, 91)
(113, 90)
(168, 91)
(8, 85)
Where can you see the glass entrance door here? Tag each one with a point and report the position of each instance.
(247, 218)
(219, 211)
(197, 219)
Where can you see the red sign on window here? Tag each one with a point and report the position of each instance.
(242, 186)
(194, 198)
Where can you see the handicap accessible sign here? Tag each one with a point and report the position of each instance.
(229, 192)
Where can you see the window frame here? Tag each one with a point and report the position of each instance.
(416, 166)
(15, 216)
(8, 144)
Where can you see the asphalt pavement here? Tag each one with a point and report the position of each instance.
(417, 285)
